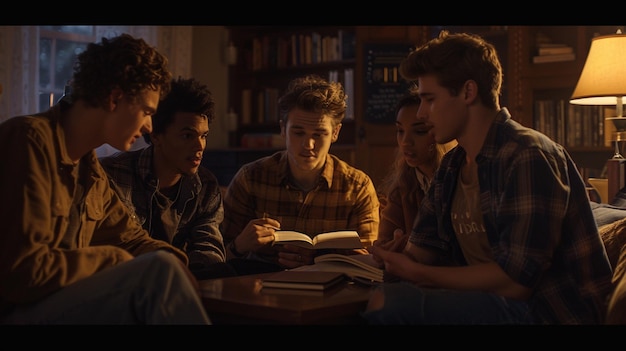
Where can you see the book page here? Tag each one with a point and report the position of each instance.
(355, 266)
(292, 237)
(345, 239)
(365, 262)
(348, 269)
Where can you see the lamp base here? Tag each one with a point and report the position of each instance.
(617, 155)
(619, 135)
(618, 122)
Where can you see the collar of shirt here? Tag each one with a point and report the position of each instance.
(422, 180)
(189, 184)
(326, 177)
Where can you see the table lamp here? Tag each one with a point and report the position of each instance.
(603, 82)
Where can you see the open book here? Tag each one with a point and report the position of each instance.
(360, 267)
(345, 239)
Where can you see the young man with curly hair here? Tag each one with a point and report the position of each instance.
(70, 251)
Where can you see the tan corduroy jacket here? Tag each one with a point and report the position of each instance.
(36, 193)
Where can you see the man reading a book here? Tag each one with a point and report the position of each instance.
(303, 188)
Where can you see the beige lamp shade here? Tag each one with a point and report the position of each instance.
(603, 79)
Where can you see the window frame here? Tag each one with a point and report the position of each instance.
(50, 92)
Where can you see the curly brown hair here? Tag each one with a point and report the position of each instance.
(313, 93)
(123, 62)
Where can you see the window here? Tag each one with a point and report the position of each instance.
(37, 61)
(58, 47)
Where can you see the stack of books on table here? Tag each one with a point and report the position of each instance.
(303, 280)
(550, 52)
(361, 268)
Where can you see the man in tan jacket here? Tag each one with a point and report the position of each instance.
(70, 251)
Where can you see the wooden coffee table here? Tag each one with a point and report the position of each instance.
(241, 300)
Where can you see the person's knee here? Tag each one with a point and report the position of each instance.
(376, 301)
(162, 264)
(163, 258)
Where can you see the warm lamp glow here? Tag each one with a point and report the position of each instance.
(603, 79)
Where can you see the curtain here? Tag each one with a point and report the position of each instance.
(19, 65)
(19, 70)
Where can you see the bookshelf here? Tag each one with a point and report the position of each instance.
(264, 67)
(270, 56)
(573, 126)
(539, 92)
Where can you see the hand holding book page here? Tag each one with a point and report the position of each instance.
(346, 239)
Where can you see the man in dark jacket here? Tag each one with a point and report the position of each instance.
(175, 198)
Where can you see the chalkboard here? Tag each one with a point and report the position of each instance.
(383, 84)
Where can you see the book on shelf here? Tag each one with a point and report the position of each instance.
(555, 50)
(348, 85)
(551, 45)
(307, 280)
(609, 128)
(554, 58)
(362, 268)
(344, 239)
(316, 47)
(246, 106)
(302, 43)
(295, 50)
(347, 44)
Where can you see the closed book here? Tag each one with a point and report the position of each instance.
(361, 267)
(347, 44)
(307, 280)
(555, 50)
(554, 58)
(292, 292)
(246, 106)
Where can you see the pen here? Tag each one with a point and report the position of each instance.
(266, 216)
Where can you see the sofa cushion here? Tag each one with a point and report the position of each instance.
(614, 238)
(616, 312)
(606, 214)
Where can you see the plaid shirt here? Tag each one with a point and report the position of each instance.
(199, 208)
(344, 199)
(538, 220)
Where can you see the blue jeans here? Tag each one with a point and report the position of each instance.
(406, 303)
(153, 288)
